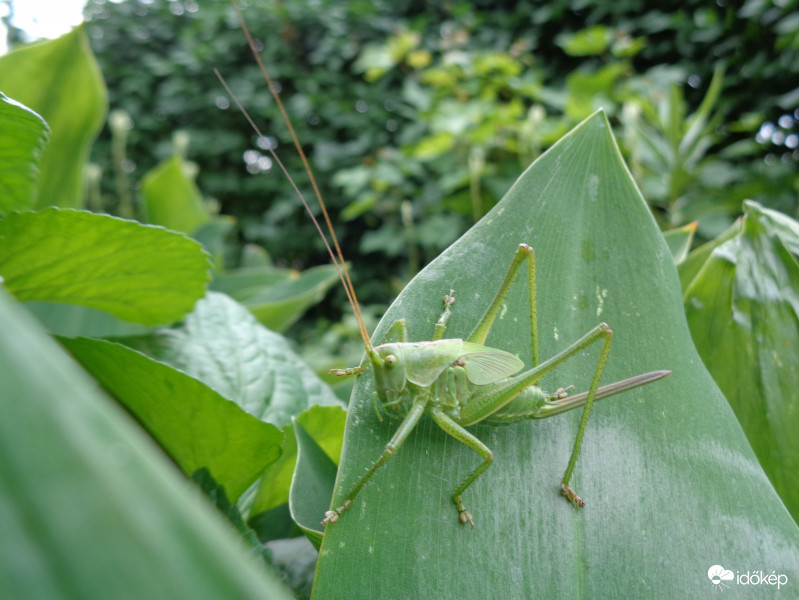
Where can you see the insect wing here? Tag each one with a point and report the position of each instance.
(485, 365)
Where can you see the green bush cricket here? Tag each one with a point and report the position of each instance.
(458, 382)
(461, 382)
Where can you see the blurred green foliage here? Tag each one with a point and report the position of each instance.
(71, 98)
(741, 302)
(419, 116)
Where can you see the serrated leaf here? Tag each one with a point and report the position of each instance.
(664, 468)
(197, 427)
(743, 311)
(61, 81)
(221, 344)
(90, 509)
(136, 272)
(24, 137)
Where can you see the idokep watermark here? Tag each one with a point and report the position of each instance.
(724, 578)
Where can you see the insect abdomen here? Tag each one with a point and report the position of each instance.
(523, 407)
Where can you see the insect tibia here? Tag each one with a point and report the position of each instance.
(558, 403)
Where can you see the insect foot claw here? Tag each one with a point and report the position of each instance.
(562, 393)
(466, 517)
(571, 495)
(331, 516)
(463, 514)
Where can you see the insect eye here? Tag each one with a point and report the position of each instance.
(391, 360)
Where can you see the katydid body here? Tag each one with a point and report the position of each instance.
(462, 382)
(458, 382)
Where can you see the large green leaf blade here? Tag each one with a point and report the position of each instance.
(89, 508)
(671, 485)
(24, 137)
(136, 272)
(200, 429)
(61, 81)
(171, 197)
(743, 310)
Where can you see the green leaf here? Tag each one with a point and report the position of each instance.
(673, 116)
(311, 485)
(433, 145)
(692, 264)
(586, 42)
(589, 89)
(71, 320)
(624, 46)
(24, 137)
(61, 81)
(671, 484)
(245, 282)
(171, 198)
(197, 427)
(221, 344)
(679, 241)
(219, 497)
(90, 509)
(279, 305)
(136, 272)
(743, 311)
(212, 236)
(325, 426)
(697, 124)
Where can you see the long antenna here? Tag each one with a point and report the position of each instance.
(336, 257)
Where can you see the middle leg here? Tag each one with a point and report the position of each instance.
(460, 434)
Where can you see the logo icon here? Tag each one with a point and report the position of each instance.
(718, 575)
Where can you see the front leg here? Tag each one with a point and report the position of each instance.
(347, 371)
(441, 324)
(398, 328)
(405, 428)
